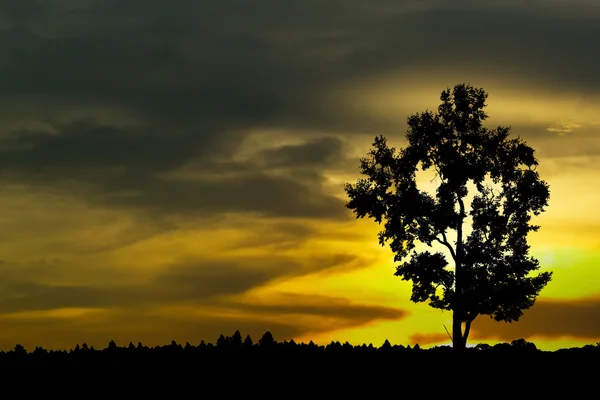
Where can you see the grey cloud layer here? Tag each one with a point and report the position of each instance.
(198, 281)
(271, 63)
(120, 167)
(196, 76)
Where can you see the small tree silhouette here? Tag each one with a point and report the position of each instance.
(267, 340)
(20, 350)
(491, 271)
(247, 342)
(386, 345)
(523, 344)
(236, 340)
(223, 342)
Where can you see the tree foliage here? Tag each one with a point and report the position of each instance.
(490, 271)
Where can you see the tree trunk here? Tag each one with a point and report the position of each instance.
(468, 328)
(458, 342)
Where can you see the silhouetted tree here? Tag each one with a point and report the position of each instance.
(40, 351)
(20, 350)
(386, 345)
(523, 344)
(247, 342)
(483, 346)
(491, 266)
(236, 340)
(223, 342)
(334, 346)
(501, 347)
(267, 340)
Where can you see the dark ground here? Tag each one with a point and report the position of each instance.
(269, 369)
(234, 350)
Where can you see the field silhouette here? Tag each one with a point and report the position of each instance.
(232, 350)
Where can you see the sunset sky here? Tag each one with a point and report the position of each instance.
(174, 170)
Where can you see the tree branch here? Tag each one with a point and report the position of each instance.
(467, 329)
(447, 244)
(461, 204)
(472, 316)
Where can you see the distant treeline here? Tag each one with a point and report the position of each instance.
(234, 349)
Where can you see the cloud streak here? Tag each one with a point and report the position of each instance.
(563, 127)
(549, 319)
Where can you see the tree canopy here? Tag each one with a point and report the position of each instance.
(490, 270)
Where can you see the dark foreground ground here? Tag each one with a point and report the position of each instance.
(234, 368)
(268, 353)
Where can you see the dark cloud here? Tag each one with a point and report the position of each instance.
(254, 192)
(204, 279)
(271, 63)
(19, 297)
(547, 319)
(510, 41)
(127, 326)
(198, 76)
(292, 304)
(577, 318)
(153, 328)
(275, 236)
(132, 317)
(121, 168)
(307, 162)
(195, 281)
(319, 152)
